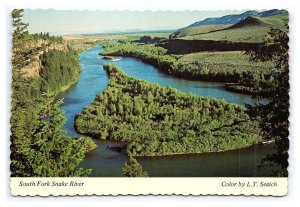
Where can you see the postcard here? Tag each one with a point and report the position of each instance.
(149, 103)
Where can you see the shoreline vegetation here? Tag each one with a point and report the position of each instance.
(249, 80)
(110, 58)
(165, 120)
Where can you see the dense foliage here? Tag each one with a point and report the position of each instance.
(274, 115)
(49, 152)
(38, 145)
(253, 83)
(260, 79)
(59, 69)
(156, 120)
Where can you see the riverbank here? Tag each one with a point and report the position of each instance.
(66, 87)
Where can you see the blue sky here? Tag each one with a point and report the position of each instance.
(58, 22)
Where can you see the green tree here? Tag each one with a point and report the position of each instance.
(20, 126)
(22, 55)
(20, 35)
(51, 152)
(133, 169)
(275, 114)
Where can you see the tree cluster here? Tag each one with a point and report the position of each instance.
(48, 37)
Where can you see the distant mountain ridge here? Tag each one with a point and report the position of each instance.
(251, 29)
(233, 19)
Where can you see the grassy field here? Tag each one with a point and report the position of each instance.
(191, 31)
(277, 21)
(227, 61)
(80, 42)
(252, 29)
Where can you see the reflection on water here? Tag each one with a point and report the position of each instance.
(236, 163)
(108, 161)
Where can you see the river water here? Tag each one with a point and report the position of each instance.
(107, 162)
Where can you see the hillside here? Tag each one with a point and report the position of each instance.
(277, 21)
(233, 19)
(250, 22)
(251, 29)
(190, 31)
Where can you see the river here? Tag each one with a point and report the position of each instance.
(106, 162)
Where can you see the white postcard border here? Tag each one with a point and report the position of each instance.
(268, 186)
(293, 169)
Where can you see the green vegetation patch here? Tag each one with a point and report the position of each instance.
(59, 70)
(247, 34)
(108, 58)
(157, 120)
(226, 61)
(203, 29)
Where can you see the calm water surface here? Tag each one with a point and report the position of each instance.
(106, 161)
